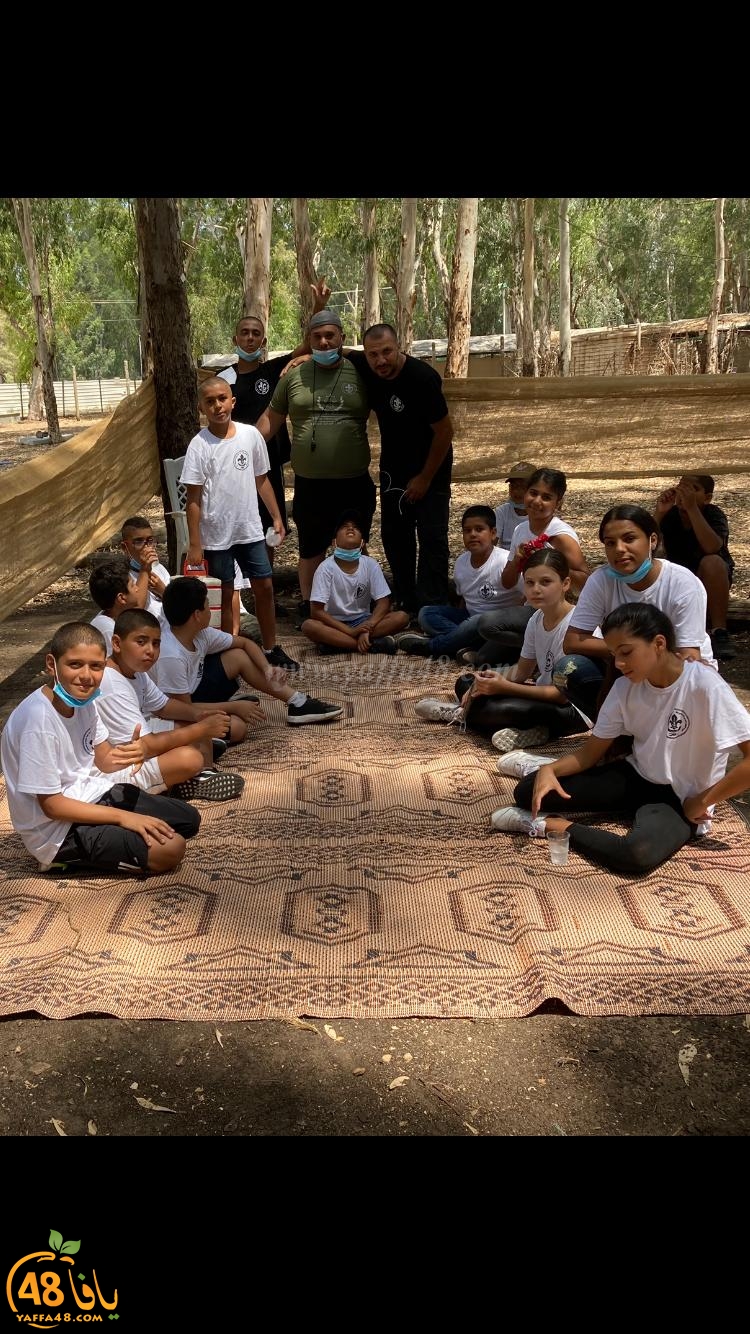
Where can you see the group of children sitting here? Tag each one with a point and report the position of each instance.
(102, 765)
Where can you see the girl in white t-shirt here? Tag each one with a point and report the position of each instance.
(632, 575)
(515, 711)
(350, 600)
(683, 718)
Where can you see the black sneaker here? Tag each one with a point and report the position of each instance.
(417, 645)
(219, 748)
(383, 644)
(724, 649)
(278, 658)
(209, 785)
(303, 613)
(312, 711)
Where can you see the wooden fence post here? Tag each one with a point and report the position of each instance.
(127, 379)
(75, 395)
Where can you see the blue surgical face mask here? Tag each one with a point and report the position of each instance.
(248, 356)
(135, 564)
(62, 694)
(343, 554)
(635, 577)
(327, 358)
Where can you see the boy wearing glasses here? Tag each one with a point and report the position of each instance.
(146, 573)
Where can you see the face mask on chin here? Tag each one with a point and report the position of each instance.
(72, 703)
(328, 358)
(343, 554)
(248, 356)
(633, 578)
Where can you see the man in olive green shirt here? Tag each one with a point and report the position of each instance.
(326, 402)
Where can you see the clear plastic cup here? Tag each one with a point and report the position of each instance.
(272, 537)
(558, 847)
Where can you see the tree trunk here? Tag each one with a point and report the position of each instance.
(435, 229)
(743, 288)
(371, 312)
(44, 339)
(145, 342)
(306, 274)
(406, 291)
(257, 296)
(712, 326)
(175, 379)
(564, 357)
(36, 394)
(459, 319)
(528, 366)
(544, 293)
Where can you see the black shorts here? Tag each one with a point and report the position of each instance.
(107, 847)
(214, 687)
(318, 503)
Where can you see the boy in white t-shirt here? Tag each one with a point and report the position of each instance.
(146, 572)
(113, 590)
(70, 791)
(513, 511)
(350, 600)
(200, 665)
(179, 757)
(478, 578)
(225, 470)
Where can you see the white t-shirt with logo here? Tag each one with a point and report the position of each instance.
(681, 734)
(481, 586)
(545, 646)
(677, 592)
(347, 596)
(226, 469)
(43, 754)
(506, 522)
(178, 670)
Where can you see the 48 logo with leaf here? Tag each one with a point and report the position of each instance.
(56, 1296)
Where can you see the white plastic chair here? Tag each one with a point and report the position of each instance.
(177, 499)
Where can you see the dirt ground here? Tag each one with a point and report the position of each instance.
(553, 1074)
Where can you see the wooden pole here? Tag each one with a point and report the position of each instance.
(127, 379)
(75, 395)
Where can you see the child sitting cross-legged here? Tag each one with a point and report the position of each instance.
(350, 602)
(181, 757)
(200, 665)
(113, 591)
(478, 578)
(74, 798)
(507, 704)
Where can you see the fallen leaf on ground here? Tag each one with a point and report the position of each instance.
(180, 1060)
(360, 1070)
(567, 1060)
(398, 1081)
(93, 1129)
(303, 1023)
(407, 1056)
(59, 1126)
(134, 1086)
(331, 1033)
(39, 1067)
(470, 1127)
(686, 1054)
(386, 1057)
(149, 1106)
(218, 1038)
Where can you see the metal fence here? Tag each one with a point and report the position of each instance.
(95, 397)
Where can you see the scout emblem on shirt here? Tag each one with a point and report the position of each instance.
(397, 404)
(549, 662)
(328, 404)
(677, 723)
(360, 590)
(242, 460)
(262, 386)
(486, 591)
(350, 388)
(88, 741)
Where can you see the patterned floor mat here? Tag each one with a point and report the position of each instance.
(358, 875)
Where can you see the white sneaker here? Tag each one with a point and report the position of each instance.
(439, 711)
(513, 738)
(520, 763)
(514, 820)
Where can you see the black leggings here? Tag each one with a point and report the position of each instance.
(488, 713)
(659, 826)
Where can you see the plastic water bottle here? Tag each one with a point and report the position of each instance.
(272, 538)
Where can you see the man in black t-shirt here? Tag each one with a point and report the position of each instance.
(695, 533)
(416, 457)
